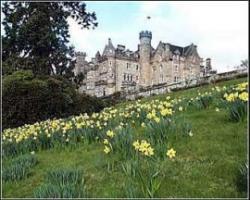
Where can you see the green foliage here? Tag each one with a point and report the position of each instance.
(36, 36)
(79, 78)
(19, 168)
(122, 143)
(28, 99)
(132, 190)
(205, 101)
(160, 132)
(63, 177)
(150, 182)
(130, 168)
(241, 178)
(63, 183)
(237, 110)
(113, 99)
(146, 178)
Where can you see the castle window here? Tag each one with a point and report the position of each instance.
(124, 77)
(137, 67)
(127, 65)
(176, 68)
(175, 79)
(104, 93)
(130, 77)
(110, 63)
(127, 77)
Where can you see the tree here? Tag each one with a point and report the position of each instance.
(37, 36)
(78, 79)
(244, 64)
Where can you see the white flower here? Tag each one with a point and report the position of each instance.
(190, 133)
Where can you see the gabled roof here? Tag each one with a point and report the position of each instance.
(108, 47)
(174, 49)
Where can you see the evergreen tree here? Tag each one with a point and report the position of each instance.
(37, 36)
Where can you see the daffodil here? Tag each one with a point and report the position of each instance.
(110, 133)
(105, 141)
(136, 144)
(157, 119)
(244, 96)
(106, 149)
(171, 153)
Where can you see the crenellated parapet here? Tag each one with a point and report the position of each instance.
(145, 34)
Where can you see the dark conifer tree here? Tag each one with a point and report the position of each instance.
(37, 36)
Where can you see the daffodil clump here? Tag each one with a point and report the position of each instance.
(239, 92)
(236, 102)
(107, 144)
(143, 147)
(95, 126)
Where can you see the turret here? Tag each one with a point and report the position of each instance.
(145, 53)
(208, 66)
(109, 49)
(80, 60)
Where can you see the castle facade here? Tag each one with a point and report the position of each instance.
(118, 69)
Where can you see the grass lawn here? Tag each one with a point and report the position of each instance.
(205, 165)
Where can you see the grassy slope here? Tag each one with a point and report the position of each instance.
(205, 165)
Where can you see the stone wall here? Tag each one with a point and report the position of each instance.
(127, 72)
(165, 88)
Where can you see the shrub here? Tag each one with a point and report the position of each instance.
(19, 168)
(113, 99)
(28, 99)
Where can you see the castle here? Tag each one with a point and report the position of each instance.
(119, 69)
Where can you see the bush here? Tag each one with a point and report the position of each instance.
(28, 99)
(113, 99)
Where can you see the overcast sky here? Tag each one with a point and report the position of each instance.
(219, 29)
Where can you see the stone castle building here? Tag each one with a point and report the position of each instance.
(118, 69)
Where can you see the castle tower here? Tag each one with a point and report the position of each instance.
(80, 60)
(145, 52)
